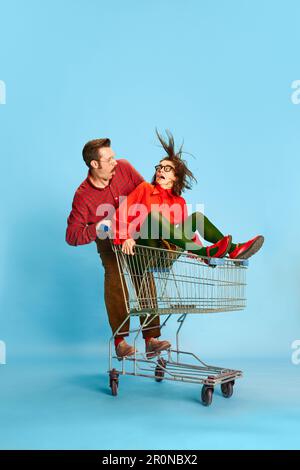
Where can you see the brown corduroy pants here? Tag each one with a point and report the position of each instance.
(114, 296)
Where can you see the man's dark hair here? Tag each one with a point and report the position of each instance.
(91, 150)
(185, 177)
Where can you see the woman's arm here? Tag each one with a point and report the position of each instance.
(127, 213)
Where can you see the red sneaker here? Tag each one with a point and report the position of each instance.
(223, 246)
(245, 250)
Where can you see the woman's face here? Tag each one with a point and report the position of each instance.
(165, 176)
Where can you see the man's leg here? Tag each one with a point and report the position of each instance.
(145, 289)
(115, 303)
(113, 291)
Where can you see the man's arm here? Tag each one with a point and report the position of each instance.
(122, 219)
(134, 174)
(78, 231)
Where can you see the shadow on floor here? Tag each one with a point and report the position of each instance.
(93, 382)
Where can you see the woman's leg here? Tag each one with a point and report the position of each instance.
(199, 222)
(207, 230)
(156, 227)
(182, 236)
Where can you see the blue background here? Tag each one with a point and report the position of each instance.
(218, 75)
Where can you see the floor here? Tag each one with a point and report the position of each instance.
(61, 402)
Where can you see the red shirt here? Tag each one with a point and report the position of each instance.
(90, 204)
(135, 208)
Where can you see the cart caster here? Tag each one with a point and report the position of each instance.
(114, 382)
(206, 395)
(159, 372)
(227, 389)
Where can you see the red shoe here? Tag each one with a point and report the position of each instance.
(245, 250)
(223, 246)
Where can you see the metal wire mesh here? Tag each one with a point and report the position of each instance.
(162, 281)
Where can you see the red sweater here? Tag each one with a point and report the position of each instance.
(90, 203)
(135, 208)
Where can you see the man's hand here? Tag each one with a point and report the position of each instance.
(101, 232)
(127, 246)
(105, 222)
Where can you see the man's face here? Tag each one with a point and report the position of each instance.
(106, 165)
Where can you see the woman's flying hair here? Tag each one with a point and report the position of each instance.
(185, 177)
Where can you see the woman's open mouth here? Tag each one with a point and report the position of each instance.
(161, 177)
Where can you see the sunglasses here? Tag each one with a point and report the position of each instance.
(166, 168)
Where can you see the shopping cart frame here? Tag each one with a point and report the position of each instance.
(221, 288)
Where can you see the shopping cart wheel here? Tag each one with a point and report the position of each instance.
(159, 372)
(114, 381)
(227, 389)
(114, 388)
(206, 395)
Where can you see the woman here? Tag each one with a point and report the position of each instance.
(161, 205)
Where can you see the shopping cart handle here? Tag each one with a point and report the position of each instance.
(215, 262)
(221, 262)
(241, 262)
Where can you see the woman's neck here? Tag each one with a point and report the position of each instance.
(166, 185)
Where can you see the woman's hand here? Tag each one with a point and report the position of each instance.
(127, 246)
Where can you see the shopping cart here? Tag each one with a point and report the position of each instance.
(164, 282)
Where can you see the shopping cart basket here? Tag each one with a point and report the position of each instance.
(164, 282)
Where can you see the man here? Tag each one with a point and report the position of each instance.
(107, 181)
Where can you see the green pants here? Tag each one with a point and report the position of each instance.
(156, 227)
